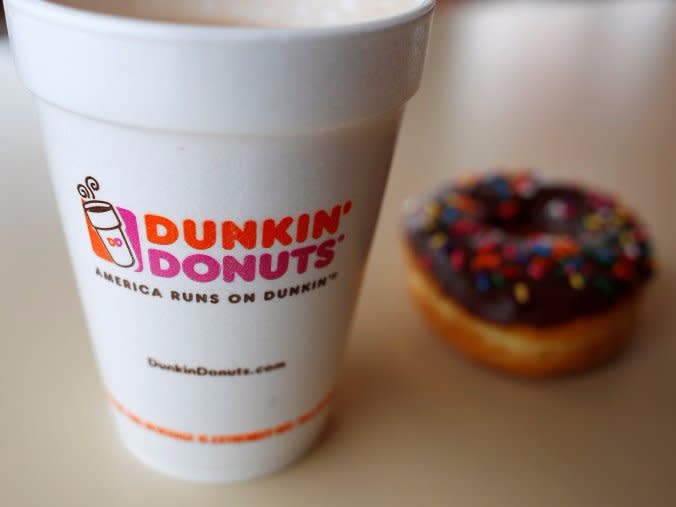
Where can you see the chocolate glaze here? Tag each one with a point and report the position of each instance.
(515, 250)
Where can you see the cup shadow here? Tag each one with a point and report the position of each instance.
(399, 365)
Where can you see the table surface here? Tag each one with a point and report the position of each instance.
(587, 91)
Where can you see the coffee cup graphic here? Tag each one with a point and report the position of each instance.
(105, 221)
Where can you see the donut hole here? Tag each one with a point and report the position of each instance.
(526, 222)
(524, 231)
(550, 211)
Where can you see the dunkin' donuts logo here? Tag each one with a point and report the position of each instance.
(147, 241)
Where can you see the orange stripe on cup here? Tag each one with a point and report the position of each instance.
(235, 438)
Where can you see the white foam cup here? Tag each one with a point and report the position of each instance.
(219, 189)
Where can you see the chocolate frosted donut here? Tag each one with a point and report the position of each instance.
(526, 256)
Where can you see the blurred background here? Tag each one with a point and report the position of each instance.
(588, 88)
(583, 90)
(579, 90)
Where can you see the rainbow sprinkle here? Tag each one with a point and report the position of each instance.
(510, 232)
(521, 293)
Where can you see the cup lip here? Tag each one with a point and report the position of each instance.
(155, 29)
(87, 205)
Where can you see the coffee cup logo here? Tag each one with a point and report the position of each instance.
(108, 238)
(204, 250)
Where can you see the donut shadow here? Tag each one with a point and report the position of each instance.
(419, 362)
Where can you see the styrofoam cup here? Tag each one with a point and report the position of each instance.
(218, 188)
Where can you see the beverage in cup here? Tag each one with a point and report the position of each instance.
(219, 168)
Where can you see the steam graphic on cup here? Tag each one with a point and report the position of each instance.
(105, 221)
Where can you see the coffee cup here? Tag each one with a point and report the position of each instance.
(218, 188)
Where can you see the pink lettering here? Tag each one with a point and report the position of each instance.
(213, 268)
(325, 253)
(156, 259)
(266, 266)
(303, 254)
(246, 270)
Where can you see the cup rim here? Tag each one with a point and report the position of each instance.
(136, 27)
(87, 205)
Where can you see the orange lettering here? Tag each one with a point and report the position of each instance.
(305, 417)
(232, 233)
(170, 233)
(283, 428)
(257, 435)
(273, 231)
(323, 221)
(223, 439)
(208, 237)
(302, 228)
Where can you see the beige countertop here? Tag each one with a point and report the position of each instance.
(582, 90)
